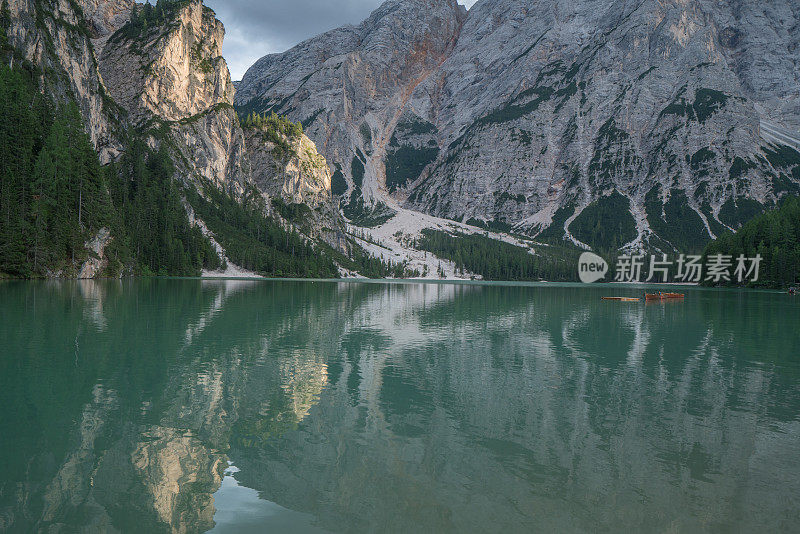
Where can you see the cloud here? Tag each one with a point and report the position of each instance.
(255, 28)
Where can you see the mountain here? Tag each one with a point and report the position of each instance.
(137, 162)
(350, 86)
(607, 123)
(176, 81)
(127, 149)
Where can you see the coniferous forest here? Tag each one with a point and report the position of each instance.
(151, 226)
(775, 235)
(497, 260)
(255, 241)
(53, 195)
(146, 16)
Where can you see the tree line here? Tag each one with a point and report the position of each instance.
(146, 16)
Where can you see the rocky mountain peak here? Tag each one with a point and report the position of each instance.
(173, 68)
(349, 85)
(399, 42)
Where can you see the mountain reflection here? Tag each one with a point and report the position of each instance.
(396, 407)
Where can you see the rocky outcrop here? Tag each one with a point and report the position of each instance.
(296, 181)
(555, 119)
(302, 173)
(173, 75)
(158, 73)
(97, 262)
(211, 147)
(106, 16)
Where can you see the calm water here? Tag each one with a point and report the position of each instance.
(186, 405)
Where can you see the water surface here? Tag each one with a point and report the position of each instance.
(252, 406)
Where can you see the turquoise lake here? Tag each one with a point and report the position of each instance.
(297, 406)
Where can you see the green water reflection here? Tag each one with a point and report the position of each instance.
(353, 407)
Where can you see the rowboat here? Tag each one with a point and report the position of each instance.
(622, 299)
(663, 296)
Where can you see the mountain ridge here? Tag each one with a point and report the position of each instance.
(541, 110)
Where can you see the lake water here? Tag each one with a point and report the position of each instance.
(276, 406)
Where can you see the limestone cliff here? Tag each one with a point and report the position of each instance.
(106, 16)
(172, 80)
(171, 75)
(303, 175)
(350, 85)
(295, 177)
(173, 70)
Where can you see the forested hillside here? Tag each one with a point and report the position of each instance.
(55, 197)
(255, 241)
(152, 232)
(775, 235)
(59, 207)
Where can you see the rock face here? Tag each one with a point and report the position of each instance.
(176, 72)
(598, 121)
(97, 259)
(106, 16)
(211, 147)
(172, 75)
(305, 175)
(298, 180)
(349, 86)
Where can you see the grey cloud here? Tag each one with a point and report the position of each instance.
(256, 28)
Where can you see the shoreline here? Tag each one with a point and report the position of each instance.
(638, 287)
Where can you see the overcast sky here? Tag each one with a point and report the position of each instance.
(255, 28)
